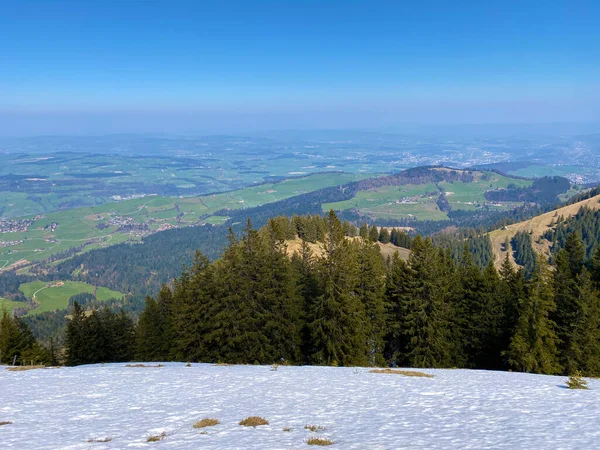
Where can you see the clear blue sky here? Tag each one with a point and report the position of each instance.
(216, 66)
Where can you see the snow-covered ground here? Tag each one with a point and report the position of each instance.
(64, 408)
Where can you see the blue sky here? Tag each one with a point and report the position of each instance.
(112, 66)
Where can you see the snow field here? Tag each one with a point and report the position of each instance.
(67, 407)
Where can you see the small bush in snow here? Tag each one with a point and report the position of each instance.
(254, 421)
(576, 381)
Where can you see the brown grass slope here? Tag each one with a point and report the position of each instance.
(537, 226)
(294, 245)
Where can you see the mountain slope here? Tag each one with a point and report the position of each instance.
(537, 226)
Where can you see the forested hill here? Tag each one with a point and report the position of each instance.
(547, 233)
(349, 306)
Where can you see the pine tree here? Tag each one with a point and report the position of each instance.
(384, 236)
(303, 263)
(533, 347)
(123, 338)
(338, 317)
(364, 231)
(595, 271)
(16, 340)
(75, 339)
(468, 309)
(194, 294)
(371, 292)
(148, 337)
(583, 351)
(373, 234)
(424, 308)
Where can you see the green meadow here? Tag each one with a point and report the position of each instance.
(55, 297)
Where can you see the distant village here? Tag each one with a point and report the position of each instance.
(15, 226)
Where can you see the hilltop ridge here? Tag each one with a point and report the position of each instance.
(537, 226)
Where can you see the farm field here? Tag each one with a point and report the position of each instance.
(55, 295)
(352, 407)
(111, 223)
(419, 201)
(9, 305)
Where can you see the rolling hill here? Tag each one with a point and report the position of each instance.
(537, 226)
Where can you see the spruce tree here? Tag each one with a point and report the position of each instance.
(583, 351)
(371, 292)
(373, 234)
(75, 339)
(533, 346)
(424, 306)
(148, 337)
(363, 232)
(338, 317)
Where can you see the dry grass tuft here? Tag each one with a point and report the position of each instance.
(207, 422)
(5, 423)
(157, 437)
(254, 421)
(222, 364)
(319, 441)
(22, 368)
(286, 429)
(314, 428)
(144, 365)
(406, 373)
(104, 439)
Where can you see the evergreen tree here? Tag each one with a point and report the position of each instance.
(148, 338)
(364, 231)
(384, 236)
(338, 317)
(595, 270)
(373, 234)
(75, 339)
(371, 292)
(425, 311)
(303, 263)
(533, 347)
(582, 353)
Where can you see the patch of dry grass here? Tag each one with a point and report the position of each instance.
(406, 373)
(319, 441)
(22, 368)
(157, 437)
(254, 421)
(145, 365)
(314, 428)
(5, 423)
(222, 364)
(207, 422)
(286, 429)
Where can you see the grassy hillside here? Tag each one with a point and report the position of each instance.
(9, 305)
(389, 249)
(419, 201)
(537, 226)
(55, 295)
(95, 227)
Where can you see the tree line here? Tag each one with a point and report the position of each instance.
(342, 303)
